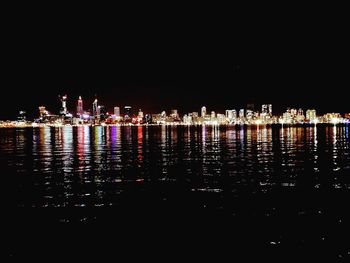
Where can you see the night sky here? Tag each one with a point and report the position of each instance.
(158, 61)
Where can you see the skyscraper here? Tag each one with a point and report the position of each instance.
(94, 108)
(64, 105)
(203, 111)
(21, 116)
(234, 115)
(311, 115)
(266, 109)
(116, 111)
(127, 112)
(270, 109)
(174, 114)
(80, 110)
(42, 111)
(241, 114)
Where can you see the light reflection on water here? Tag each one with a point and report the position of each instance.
(85, 164)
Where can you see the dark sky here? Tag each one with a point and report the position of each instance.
(171, 59)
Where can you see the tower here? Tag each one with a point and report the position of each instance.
(117, 111)
(64, 105)
(80, 110)
(94, 108)
(203, 111)
(140, 114)
(127, 112)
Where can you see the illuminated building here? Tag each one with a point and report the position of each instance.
(94, 108)
(42, 111)
(250, 115)
(221, 118)
(174, 115)
(98, 111)
(234, 115)
(213, 115)
(187, 119)
(300, 116)
(287, 117)
(332, 118)
(127, 112)
(264, 109)
(116, 111)
(102, 112)
(140, 114)
(311, 115)
(148, 118)
(80, 110)
(241, 114)
(22, 116)
(300, 112)
(203, 111)
(256, 115)
(64, 105)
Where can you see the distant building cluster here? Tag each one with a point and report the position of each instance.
(98, 115)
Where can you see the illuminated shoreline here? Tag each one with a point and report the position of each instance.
(34, 125)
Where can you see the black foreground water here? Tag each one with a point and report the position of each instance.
(250, 191)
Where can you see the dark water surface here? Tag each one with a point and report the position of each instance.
(268, 190)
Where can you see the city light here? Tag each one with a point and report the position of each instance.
(100, 116)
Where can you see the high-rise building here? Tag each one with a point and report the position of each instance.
(94, 108)
(213, 115)
(266, 109)
(42, 111)
(300, 116)
(64, 105)
(174, 114)
(300, 112)
(140, 114)
(98, 111)
(250, 115)
(221, 118)
(293, 113)
(241, 114)
(127, 112)
(311, 115)
(102, 112)
(21, 116)
(234, 115)
(229, 115)
(80, 110)
(203, 111)
(116, 111)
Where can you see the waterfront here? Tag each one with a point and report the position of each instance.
(290, 184)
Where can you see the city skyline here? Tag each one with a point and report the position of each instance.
(55, 106)
(98, 114)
